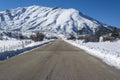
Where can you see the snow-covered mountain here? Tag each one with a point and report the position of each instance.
(45, 19)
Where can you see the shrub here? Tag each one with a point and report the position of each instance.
(91, 38)
(72, 37)
(108, 38)
(115, 33)
(38, 37)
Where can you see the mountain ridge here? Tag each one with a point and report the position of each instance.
(46, 19)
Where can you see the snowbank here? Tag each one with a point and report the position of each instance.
(14, 52)
(9, 45)
(109, 52)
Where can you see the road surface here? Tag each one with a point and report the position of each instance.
(57, 61)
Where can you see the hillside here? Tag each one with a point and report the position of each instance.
(49, 20)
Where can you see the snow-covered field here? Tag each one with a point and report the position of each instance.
(10, 48)
(109, 52)
(9, 45)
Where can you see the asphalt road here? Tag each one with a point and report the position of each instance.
(57, 61)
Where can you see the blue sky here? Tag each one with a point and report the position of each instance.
(106, 11)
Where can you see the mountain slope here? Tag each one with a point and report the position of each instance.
(55, 20)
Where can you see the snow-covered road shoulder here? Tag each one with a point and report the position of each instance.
(109, 52)
(8, 54)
